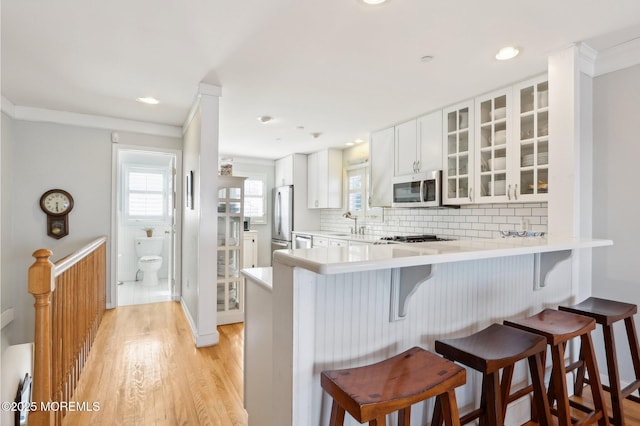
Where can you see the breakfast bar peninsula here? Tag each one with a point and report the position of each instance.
(339, 307)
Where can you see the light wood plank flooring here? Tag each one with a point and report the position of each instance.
(144, 369)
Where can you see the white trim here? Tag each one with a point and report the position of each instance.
(7, 317)
(204, 89)
(87, 120)
(249, 160)
(8, 107)
(587, 57)
(209, 89)
(200, 340)
(623, 55)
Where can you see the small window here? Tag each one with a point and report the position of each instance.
(146, 193)
(255, 200)
(356, 189)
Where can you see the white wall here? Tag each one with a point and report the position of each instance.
(39, 157)
(615, 193)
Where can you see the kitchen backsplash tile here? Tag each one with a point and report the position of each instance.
(467, 222)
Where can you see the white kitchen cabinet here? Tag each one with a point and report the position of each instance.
(230, 307)
(531, 140)
(338, 243)
(381, 149)
(458, 138)
(418, 145)
(319, 242)
(324, 181)
(284, 171)
(495, 178)
(250, 249)
(291, 169)
(406, 148)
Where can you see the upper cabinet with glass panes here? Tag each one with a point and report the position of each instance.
(458, 183)
(493, 133)
(531, 137)
(496, 147)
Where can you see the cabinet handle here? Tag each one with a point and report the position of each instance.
(515, 192)
(509, 193)
(418, 166)
(471, 194)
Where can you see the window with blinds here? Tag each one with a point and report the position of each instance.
(254, 199)
(146, 193)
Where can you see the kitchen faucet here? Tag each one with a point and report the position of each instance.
(348, 215)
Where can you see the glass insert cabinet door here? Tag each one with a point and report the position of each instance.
(532, 132)
(229, 257)
(458, 122)
(492, 135)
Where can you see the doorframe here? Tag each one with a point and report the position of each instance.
(112, 286)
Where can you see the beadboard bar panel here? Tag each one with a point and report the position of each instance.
(342, 321)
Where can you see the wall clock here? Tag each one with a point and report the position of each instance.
(57, 204)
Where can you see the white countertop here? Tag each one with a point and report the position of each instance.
(336, 260)
(261, 276)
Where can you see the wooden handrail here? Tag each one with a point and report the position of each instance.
(70, 260)
(70, 301)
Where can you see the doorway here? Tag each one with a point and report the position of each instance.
(145, 249)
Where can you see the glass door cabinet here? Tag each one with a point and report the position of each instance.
(230, 292)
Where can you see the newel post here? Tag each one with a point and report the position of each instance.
(41, 285)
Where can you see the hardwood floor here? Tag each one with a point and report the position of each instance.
(144, 369)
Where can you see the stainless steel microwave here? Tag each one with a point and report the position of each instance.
(418, 190)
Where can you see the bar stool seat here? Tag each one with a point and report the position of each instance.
(559, 327)
(607, 312)
(489, 351)
(371, 392)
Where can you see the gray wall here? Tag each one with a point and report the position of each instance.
(615, 194)
(37, 157)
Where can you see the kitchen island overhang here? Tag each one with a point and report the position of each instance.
(332, 309)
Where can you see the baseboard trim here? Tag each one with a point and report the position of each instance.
(200, 340)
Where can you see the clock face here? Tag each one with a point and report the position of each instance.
(56, 202)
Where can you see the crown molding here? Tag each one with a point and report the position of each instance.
(87, 120)
(623, 55)
(587, 57)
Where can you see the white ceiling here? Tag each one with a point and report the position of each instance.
(336, 67)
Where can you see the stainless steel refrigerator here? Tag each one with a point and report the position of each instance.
(282, 218)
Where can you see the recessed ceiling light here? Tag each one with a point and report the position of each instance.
(349, 143)
(359, 140)
(373, 2)
(148, 100)
(264, 119)
(508, 52)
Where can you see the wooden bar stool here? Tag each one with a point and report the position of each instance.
(371, 392)
(489, 351)
(558, 327)
(606, 313)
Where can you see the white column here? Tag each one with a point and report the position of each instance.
(206, 186)
(570, 154)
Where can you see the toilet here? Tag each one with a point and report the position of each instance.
(148, 250)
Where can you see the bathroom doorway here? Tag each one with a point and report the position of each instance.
(145, 246)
